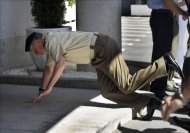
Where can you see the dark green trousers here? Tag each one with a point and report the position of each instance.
(116, 83)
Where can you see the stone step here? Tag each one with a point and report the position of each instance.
(89, 119)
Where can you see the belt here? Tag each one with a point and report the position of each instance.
(93, 42)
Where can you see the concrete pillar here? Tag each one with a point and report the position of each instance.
(99, 16)
(15, 17)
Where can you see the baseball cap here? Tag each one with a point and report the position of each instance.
(29, 40)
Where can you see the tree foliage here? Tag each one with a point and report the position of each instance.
(49, 13)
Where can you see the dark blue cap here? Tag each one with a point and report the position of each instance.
(29, 40)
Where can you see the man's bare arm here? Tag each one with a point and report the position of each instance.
(47, 74)
(170, 4)
(58, 69)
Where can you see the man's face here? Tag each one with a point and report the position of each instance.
(37, 47)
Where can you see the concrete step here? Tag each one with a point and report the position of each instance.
(68, 82)
(88, 119)
(70, 78)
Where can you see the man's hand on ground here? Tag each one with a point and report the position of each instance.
(37, 98)
(40, 95)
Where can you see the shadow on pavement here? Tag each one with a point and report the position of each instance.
(17, 114)
(149, 130)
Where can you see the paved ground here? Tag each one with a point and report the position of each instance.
(157, 125)
(72, 110)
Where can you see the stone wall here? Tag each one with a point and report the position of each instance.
(15, 17)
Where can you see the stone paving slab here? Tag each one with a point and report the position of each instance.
(92, 119)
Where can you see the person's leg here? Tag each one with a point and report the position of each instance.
(109, 59)
(116, 82)
(110, 91)
(162, 32)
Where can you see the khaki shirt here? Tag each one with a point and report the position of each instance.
(73, 46)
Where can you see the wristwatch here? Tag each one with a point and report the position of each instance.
(41, 90)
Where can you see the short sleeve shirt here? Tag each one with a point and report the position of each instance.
(73, 46)
(156, 4)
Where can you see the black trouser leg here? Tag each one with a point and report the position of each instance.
(161, 23)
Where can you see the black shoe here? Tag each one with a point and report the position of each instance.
(185, 124)
(152, 105)
(171, 64)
